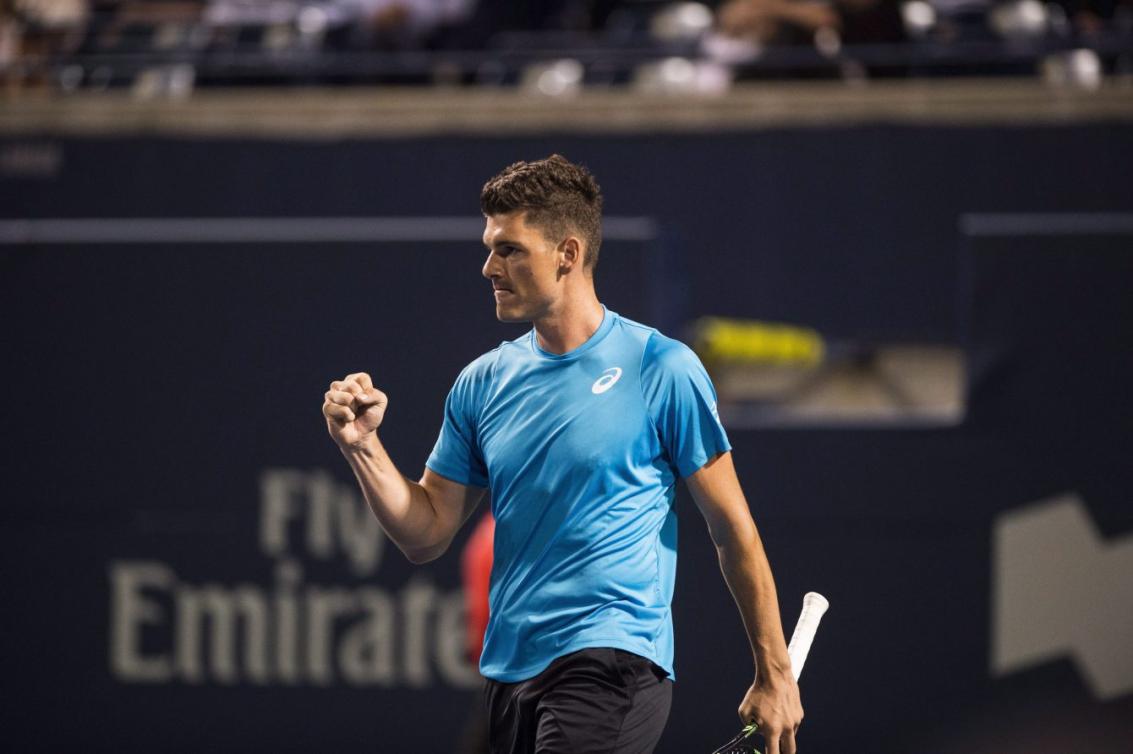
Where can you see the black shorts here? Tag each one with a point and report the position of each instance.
(594, 701)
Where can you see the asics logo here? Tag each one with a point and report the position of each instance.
(606, 381)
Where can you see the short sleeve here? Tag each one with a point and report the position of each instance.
(682, 403)
(456, 454)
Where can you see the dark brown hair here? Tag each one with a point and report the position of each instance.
(557, 195)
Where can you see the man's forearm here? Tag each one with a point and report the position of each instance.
(402, 506)
(748, 575)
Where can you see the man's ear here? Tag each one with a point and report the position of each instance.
(570, 254)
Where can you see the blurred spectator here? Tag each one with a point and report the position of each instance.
(52, 14)
(133, 25)
(411, 20)
(476, 572)
(110, 43)
(1091, 17)
(10, 31)
(771, 22)
(352, 24)
(34, 31)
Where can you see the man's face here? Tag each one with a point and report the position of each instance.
(523, 266)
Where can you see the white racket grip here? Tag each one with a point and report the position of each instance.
(814, 605)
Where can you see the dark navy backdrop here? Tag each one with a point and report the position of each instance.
(154, 391)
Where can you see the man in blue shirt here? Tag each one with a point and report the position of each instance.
(580, 428)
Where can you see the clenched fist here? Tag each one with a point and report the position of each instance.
(353, 409)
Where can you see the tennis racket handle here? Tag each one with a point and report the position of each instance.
(814, 605)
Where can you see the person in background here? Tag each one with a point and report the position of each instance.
(33, 34)
(400, 24)
(772, 22)
(476, 573)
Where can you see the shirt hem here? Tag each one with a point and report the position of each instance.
(529, 672)
(700, 459)
(452, 477)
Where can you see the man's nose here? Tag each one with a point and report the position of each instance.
(490, 266)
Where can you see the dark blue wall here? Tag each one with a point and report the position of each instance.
(151, 387)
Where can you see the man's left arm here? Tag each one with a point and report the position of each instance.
(772, 702)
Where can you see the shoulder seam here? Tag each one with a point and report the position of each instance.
(631, 323)
(493, 374)
(641, 382)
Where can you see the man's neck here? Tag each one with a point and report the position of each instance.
(569, 327)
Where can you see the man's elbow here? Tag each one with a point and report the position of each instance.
(421, 555)
(735, 536)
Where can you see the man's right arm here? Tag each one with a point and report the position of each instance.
(420, 517)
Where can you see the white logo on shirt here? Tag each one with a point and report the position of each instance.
(606, 381)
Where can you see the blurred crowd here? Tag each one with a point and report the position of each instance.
(71, 44)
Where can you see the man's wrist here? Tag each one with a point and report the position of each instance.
(367, 446)
(770, 669)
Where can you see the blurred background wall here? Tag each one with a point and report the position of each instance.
(914, 297)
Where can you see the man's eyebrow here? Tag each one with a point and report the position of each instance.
(503, 242)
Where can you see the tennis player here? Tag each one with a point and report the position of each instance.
(580, 428)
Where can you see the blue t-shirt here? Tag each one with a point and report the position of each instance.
(581, 452)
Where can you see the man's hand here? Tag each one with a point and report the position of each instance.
(775, 707)
(353, 409)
